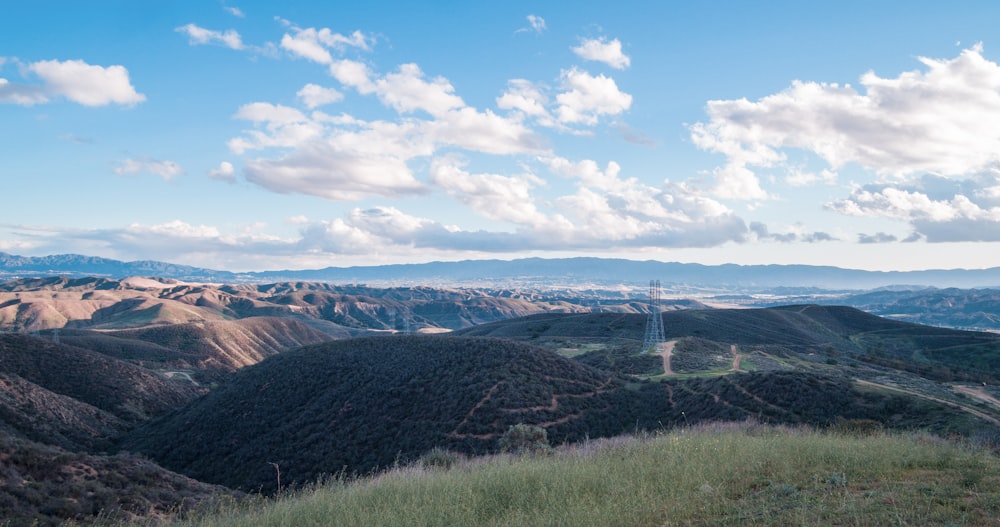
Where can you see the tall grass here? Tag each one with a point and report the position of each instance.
(717, 475)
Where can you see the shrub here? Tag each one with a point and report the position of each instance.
(525, 439)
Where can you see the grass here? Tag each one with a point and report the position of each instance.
(739, 474)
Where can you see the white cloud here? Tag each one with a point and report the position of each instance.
(164, 169)
(407, 91)
(344, 158)
(313, 95)
(86, 84)
(75, 80)
(602, 50)
(525, 97)
(944, 119)
(225, 172)
(588, 97)
(235, 11)
(199, 35)
(315, 44)
(354, 74)
(23, 94)
(496, 197)
(936, 208)
(536, 24)
(802, 178)
(331, 171)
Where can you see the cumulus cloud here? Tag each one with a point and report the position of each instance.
(226, 172)
(405, 90)
(315, 44)
(164, 169)
(75, 80)
(524, 96)
(943, 119)
(333, 171)
(603, 50)
(313, 95)
(345, 158)
(199, 35)
(938, 209)
(494, 196)
(587, 97)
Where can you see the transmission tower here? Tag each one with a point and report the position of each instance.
(654, 322)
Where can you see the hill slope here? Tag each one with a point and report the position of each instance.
(362, 404)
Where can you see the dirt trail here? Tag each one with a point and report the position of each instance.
(978, 393)
(664, 351)
(736, 358)
(972, 411)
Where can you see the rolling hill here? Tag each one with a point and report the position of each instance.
(340, 311)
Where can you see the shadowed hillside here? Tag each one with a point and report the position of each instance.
(127, 391)
(358, 405)
(46, 486)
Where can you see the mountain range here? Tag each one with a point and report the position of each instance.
(524, 273)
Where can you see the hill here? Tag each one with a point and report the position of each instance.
(769, 336)
(358, 405)
(339, 311)
(724, 475)
(46, 486)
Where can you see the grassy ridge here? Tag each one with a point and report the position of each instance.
(718, 475)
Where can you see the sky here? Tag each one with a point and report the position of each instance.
(251, 135)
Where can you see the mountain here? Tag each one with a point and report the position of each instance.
(524, 273)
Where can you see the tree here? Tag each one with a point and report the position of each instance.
(525, 439)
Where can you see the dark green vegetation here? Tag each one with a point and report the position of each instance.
(75, 398)
(43, 485)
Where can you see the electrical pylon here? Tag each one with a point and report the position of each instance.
(654, 322)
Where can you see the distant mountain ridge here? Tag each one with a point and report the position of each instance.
(525, 272)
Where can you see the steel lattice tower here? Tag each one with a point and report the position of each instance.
(654, 322)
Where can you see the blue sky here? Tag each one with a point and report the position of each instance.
(262, 135)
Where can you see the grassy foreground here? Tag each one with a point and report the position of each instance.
(719, 475)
